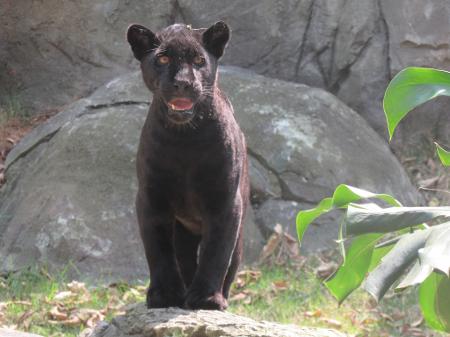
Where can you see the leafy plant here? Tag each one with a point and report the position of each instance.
(410, 88)
(388, 242)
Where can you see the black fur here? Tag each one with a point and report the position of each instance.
(191, 167)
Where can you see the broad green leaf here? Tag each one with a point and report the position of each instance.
(361, 220)
(342, 196)
(394, 264)
(351, 273)
(304, 218)
(391, 241)
(378, 254)
(444, 156)
(410, 88)
(436, 252)
(345, 194)
(434, 299)
(418, 273)
(434, 255)
(341, 240)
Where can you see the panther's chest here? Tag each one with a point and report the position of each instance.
(187, 210)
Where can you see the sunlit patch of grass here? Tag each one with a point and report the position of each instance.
(290, 295)
(48, 304)
(52, 305)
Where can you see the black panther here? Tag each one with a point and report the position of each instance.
(193, 186)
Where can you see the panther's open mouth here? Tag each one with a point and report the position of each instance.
(181, 104)
(181, 110)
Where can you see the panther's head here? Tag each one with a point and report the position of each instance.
(179, 64)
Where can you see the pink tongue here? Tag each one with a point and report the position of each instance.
(181, 104)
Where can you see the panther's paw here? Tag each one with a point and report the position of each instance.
(196, 299)
(158, 297)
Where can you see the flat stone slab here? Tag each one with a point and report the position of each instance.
(14, 333)
(139, 321)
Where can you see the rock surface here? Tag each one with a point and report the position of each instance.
(418, 36)
(173, 322)
(71, 182)
(14, 333)
(348, 47)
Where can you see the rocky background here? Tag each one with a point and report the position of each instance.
(307, 94)
(61, 50)
(71, 182)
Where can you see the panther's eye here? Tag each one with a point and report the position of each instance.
(199, 60)
(163, 59)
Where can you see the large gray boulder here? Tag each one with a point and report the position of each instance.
(139, 321)
(348, 47)
(71, 182)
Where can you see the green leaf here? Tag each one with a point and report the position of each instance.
(434, 255)
(378, 254)
(436, 252)
(394, 264)
(434, 299)
(342, 196)
(410, 88)
(361, 219)
(444, 156)
(351, 273)
(304, 218)
(418, 273)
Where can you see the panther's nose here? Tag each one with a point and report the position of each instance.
(182, 84)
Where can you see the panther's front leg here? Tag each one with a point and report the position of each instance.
(217, 248)
(156, 227)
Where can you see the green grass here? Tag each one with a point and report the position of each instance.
(306, 302)
(11, 108)
(27, 299)
(276, 293)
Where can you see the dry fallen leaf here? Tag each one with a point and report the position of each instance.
(130, 293)
(418, 322)
(57, 315)
(25, 303)
(415, 332)
(63, 295)
(331, 322)
(326, 269)
(245, 277)
(271, 245)
(280, 285)
(386, 317)
(72, 321)
(291, 245)
(398, 315)
(315, 313)
(427, 183)
(77, 287)
(11, 141)
(368, 320)
(86, 332)
(24, 319)
(85, 314)
(238, 297)
(281, 247)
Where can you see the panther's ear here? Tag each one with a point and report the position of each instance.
(142, 40)
(215, 38)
